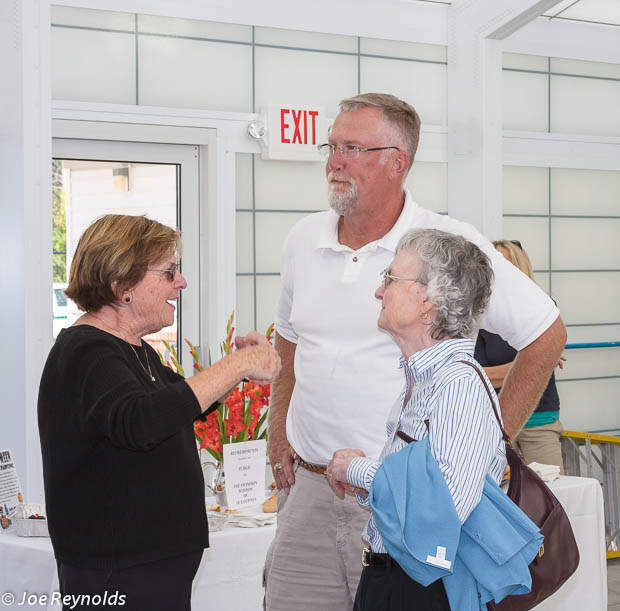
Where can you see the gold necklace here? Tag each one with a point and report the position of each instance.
(149, 372)
(116, 333)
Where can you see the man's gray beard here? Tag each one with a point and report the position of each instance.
(343, 203)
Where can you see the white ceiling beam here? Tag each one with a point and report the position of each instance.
(539, 149)
(499, 18)
(391, 19)
(569, 39)
(476, 29)
(521, 19)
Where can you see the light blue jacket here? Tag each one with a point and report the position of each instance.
(484, 559)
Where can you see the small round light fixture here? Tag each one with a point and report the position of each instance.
(257, 129)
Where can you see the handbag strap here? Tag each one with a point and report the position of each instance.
(408, 438)
(499, 422)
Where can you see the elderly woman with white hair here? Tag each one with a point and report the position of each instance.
(433, 293)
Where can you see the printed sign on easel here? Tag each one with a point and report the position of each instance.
(10, 490)
(244, 465)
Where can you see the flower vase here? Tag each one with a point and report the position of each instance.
(213, 473)
(221, 497)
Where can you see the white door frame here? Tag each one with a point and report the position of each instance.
(185, 156)
(208, 228)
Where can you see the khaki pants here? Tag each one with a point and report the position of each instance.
(315, 560)
(541, 444)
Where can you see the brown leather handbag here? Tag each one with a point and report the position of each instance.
(558, 557)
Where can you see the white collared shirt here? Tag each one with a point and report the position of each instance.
(346, 368)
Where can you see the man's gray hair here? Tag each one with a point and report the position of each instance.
(397, 113)
(458, 277)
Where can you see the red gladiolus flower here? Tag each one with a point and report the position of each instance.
(235, 399)
(208, 433)
(237, 419)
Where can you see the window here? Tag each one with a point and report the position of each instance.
(93, 178)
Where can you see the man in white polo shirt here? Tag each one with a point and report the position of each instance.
(340, 373)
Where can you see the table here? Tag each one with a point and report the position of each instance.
(230, 575)
(582, 500)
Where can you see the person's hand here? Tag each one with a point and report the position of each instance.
(561, 362)
(254, 338)
(336, 472)
(281, 458)
(355, 490)
(261, 361)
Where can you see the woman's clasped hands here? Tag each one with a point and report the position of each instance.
(336, 472)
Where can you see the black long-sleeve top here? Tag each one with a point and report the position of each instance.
(123, 482)
(492, 350)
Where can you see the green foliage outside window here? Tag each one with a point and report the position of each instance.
(59, 224)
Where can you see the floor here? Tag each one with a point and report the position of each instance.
(613, 584)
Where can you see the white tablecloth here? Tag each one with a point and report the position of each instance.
(582, 499)
(230, 575)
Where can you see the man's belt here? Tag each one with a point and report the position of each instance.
(320, 469)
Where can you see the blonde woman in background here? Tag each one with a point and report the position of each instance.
(539, 439)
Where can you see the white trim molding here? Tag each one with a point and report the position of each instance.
(423, 22)
(25, 193)
(561, 151)
(216, 136)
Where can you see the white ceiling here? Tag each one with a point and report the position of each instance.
(606, 12)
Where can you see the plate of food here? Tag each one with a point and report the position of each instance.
(30, 520)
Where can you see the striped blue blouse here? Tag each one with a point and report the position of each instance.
(463, 433)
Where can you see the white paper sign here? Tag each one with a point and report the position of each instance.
(10, 490)
(244, 466)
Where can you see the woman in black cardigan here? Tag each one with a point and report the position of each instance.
(123, 484)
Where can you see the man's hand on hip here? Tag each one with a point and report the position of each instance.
(281, 457)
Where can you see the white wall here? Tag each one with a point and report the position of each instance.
(25, 151)
(25, 196)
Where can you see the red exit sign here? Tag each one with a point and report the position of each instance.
(293, 132)
(304, 124)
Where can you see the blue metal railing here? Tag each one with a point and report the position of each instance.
(593, 345)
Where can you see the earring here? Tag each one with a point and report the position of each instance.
(423, 314)
(127, 299)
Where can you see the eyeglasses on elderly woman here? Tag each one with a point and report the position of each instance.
(389, 278)
(170, 273)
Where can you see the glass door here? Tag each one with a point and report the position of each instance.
(91, 178)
